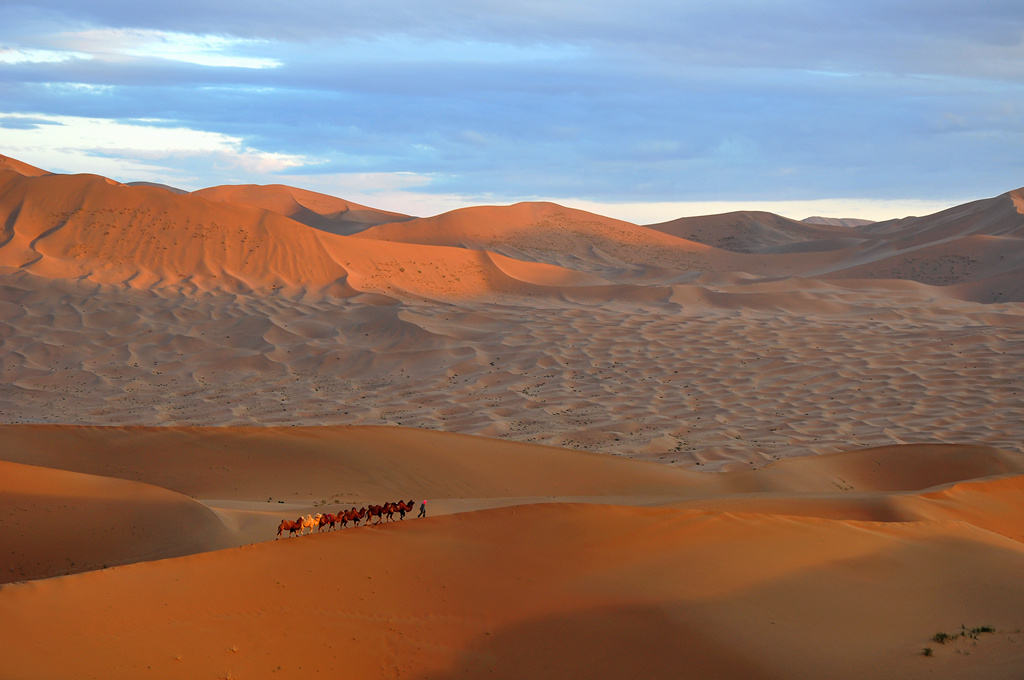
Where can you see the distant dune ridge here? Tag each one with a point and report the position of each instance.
(837, 221)
(731, 446)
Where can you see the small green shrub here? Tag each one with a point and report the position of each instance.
(942, 637)
(927, 651)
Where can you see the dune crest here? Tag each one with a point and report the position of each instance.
(547, 232)
(14, 165)
(84, 227)
(320, 211)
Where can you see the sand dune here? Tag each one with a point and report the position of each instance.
(355, 464)
(54, 522)
(758, 232)
(86, 227)
(327, 213)
(772, 572)
(552, 590)
(998, 216)
(547, 232)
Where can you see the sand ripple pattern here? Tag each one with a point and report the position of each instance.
(686, 384)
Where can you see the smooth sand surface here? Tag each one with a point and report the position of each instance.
(726, 447)
(776, 574)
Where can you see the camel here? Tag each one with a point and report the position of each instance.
(290, 526)
(352, 515)
(309, 522)
(328, 521)
(374, 511)
(404, 507)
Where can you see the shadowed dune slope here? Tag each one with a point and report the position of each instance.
(910, 467)
(304, 464)
(55, 522)
(544, 591)
(327, 213)
(976, 259)
(366, 463)
(1001, 215)
(757, 232)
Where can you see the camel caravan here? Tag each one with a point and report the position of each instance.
(318, 521)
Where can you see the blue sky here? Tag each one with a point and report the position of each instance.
(645, 110)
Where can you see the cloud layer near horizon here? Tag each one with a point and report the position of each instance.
(608, 102)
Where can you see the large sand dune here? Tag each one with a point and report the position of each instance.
(758, 232)
(547, 232)
(734, 446)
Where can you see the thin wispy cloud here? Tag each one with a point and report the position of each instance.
(35, 56)
(204, 50)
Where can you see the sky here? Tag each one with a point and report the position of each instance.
(645, 110)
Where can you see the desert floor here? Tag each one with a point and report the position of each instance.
(729, 447)
(728, 378)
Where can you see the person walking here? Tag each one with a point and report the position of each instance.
(423, 509)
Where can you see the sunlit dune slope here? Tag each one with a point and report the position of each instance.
(55, 522)
(70, 226)
(553, 233)
(260, 238)
(84, 226)
(545, 591)
(313, 209)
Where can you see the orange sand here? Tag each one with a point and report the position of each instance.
(777, 572)
(807, 439)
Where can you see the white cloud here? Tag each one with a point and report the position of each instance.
(203, 50)
(140, 149)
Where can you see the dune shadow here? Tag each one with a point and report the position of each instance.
(610, 642)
